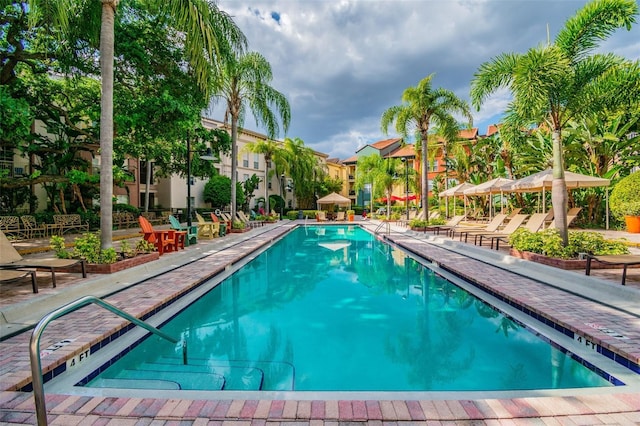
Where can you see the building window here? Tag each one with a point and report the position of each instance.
(256, 161)
(245, 159)
(143, 172)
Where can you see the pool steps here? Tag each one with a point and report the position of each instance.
(202, 374)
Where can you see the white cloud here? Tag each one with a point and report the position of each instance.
(341, 63)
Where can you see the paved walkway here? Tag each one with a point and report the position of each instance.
(571, 300)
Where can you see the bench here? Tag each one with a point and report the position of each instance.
(10, 225)
(124, 220)
(164, 216)
(152, 218)
(625, 260)
(69, 222)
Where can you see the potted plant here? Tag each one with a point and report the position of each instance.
(625, 201)
(351, 215)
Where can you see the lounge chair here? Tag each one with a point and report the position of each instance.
(165, 240)
(227, 218)
(625, 260)
(190, 232)
(534, 224)
(248, 222)
(412, 215)
(513, 212)
(13, 275)
(206, 229)
(454, 221)
(340, 216)
(509, 228)
(11, 259)
(572, 214)
(321, 216)
(225, 227)
(465, 230)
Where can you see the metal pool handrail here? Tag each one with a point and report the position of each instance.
(34, 345)
(388, 225)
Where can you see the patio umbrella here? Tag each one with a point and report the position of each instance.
(456, 191)
(332, 199)
(543, 180)
(494, 186)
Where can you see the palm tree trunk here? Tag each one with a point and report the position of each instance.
(106, 121)
(266, 186)
(424, 180)
(234, 166)
(559, 189)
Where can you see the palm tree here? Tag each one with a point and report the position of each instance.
(269, 149)
(423, 105)
(555, 83)
(302, 166)
(210, 36)
(365, 171)
(243, 83)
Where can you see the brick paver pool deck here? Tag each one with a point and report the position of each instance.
(89, 325)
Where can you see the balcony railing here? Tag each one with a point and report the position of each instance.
(11, 170)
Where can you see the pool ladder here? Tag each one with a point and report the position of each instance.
(378, 228)
(34, 345)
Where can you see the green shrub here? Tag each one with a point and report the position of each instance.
(88, 247)
(417, 223)
(625, 200)
(437, 221)
(145, 246)
(59, 247)
(549, 243)
(238, 224)
(122, 207)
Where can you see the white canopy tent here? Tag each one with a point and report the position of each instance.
(456, 191)
(333, 199)
(488, 188)
(543, 180)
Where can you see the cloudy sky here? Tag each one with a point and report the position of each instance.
(341, 63)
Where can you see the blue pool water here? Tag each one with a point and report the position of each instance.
(334, 309)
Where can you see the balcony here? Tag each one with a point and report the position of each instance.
(11, 170)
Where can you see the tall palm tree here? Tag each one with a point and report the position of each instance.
(210, 36)
(423, 105)
(555, 83)
(243, 83)
(268, 148)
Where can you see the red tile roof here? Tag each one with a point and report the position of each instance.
(405, 151)
(469, 133)
(385, 143)
(493, 129)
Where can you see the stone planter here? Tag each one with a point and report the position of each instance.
(93, 268)
(568, 264)
(239, 231)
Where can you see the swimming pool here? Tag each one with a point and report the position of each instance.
(333, 309)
